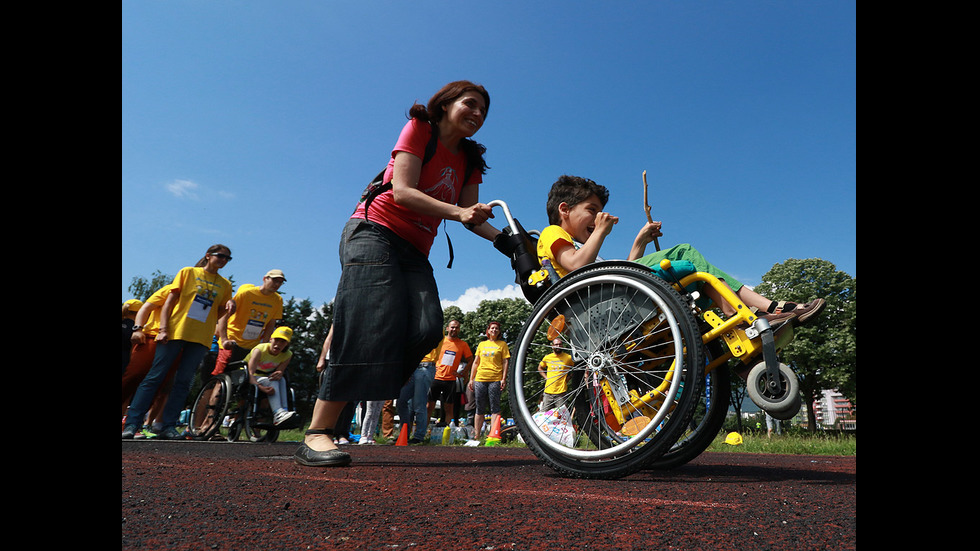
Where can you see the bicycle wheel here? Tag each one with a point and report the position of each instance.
(638, 368)
(209, 408)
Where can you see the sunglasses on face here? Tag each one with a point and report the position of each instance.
(222, 256)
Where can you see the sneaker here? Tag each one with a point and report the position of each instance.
(342, 441)
(170, 433)
(282, 416)
(147, 433)
(414, 441)
(365, 440)
(128, 433)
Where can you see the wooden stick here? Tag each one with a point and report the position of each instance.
(646, 207)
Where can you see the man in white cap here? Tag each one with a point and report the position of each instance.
(251, 320)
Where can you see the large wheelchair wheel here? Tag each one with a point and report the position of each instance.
(636, 378)
(234, 420)
(709, 417)
(258, 420)
(210, 407)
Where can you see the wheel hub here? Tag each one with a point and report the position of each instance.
(598, 361)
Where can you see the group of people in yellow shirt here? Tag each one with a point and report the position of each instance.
(174, 328)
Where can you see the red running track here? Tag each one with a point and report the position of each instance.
(240, 496)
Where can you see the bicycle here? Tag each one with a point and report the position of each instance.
(229, 405)
(644, 353)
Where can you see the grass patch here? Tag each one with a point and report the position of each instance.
(796, 443)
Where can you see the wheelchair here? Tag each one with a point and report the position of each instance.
(229, 405)
(649, 383)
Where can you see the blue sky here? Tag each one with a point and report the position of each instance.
(257, 124)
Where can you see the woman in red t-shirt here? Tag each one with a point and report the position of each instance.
(387, 313)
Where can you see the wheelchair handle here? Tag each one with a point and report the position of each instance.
(507, 215)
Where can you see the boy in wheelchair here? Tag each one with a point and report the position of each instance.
(575, 213)
(267, 364)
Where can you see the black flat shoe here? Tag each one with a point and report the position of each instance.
(312, 458)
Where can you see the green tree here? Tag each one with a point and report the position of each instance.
(141, 288)
(823, 352)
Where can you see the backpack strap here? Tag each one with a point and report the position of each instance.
(378, 185)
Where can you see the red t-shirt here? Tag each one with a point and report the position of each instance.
(441, 178)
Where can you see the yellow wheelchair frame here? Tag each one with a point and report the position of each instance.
(627, 414)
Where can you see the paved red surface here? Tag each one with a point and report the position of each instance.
(217, 495)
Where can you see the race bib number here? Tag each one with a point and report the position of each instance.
(253, 330)
(200, 308)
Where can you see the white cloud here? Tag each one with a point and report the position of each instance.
(183, 189)
(472, 297)
(186, 189)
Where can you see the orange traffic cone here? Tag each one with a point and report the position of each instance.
(402, 435)
(494, 438)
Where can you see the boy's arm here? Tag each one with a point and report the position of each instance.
(571, 258)
(647, 233)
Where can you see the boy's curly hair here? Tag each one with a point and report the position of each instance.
(572, 190)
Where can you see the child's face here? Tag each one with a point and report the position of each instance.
(579, 220)
(277, 346)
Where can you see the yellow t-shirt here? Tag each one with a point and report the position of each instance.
(152, 325)
(268, 362)
(492, 355)
(553, 238)
(196, 313)
(557, 366)
(431, 356)
(253, 312)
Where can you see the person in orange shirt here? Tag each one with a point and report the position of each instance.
(452, 358)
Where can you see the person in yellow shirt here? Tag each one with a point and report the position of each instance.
(144, 345)
(488, 377)
(555, 368)
(255, 313)
(267, 363)
(129, 310)
(186, 331)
